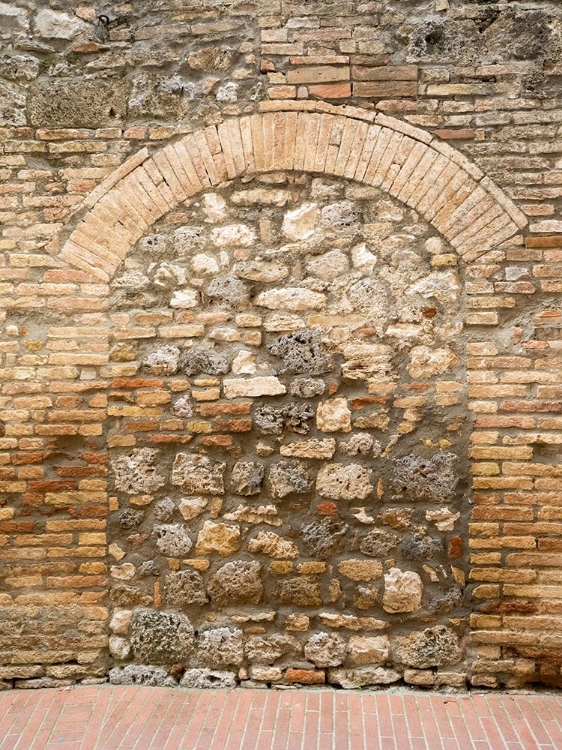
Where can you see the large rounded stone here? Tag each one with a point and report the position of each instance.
(268, 543)
(325, 649)
(366, 650)
(161, 637)
(236, 582)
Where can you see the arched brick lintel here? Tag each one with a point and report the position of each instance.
(450, 192)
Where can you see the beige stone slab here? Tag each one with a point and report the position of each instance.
(224, 135)
(415, 156)
(288, 106)
(247, 143)
(518, 216)
(356, 150)
(195, 155)
(167, 172)
(386, 159)
(337, 131)
(187, 165)
(367, 152)
(346, 144)
(291, 120)
(314, 123)
(213, 140)
(380, 147)
(324, 133)
(116, 175)
(331, 157)
(220, 166)
(256, 124)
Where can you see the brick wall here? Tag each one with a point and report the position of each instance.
(114, 125)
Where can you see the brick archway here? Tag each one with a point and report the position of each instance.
(450, 192)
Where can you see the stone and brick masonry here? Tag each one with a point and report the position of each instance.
(281, 360)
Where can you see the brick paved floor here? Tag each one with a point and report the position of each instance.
(115, 718)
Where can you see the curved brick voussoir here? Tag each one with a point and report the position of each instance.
(439, 182)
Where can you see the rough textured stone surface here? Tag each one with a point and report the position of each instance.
(236, 582)
(186, 240)
(363, 676)
(433, 647)
(198, 474)
(289, 477)
(208, 678)
(161, 637)
(247, 478)
(302, 352)
(268, 543)
(140, 674)
(222, 538)
(220, 647)
(402, 591)
(300, 592)
(367, 650)
(344, 482)
(173, 539)
(324, 538)
(334, 416)
(136, 473)
(185, 587)
(325, 649)
(427, 480)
